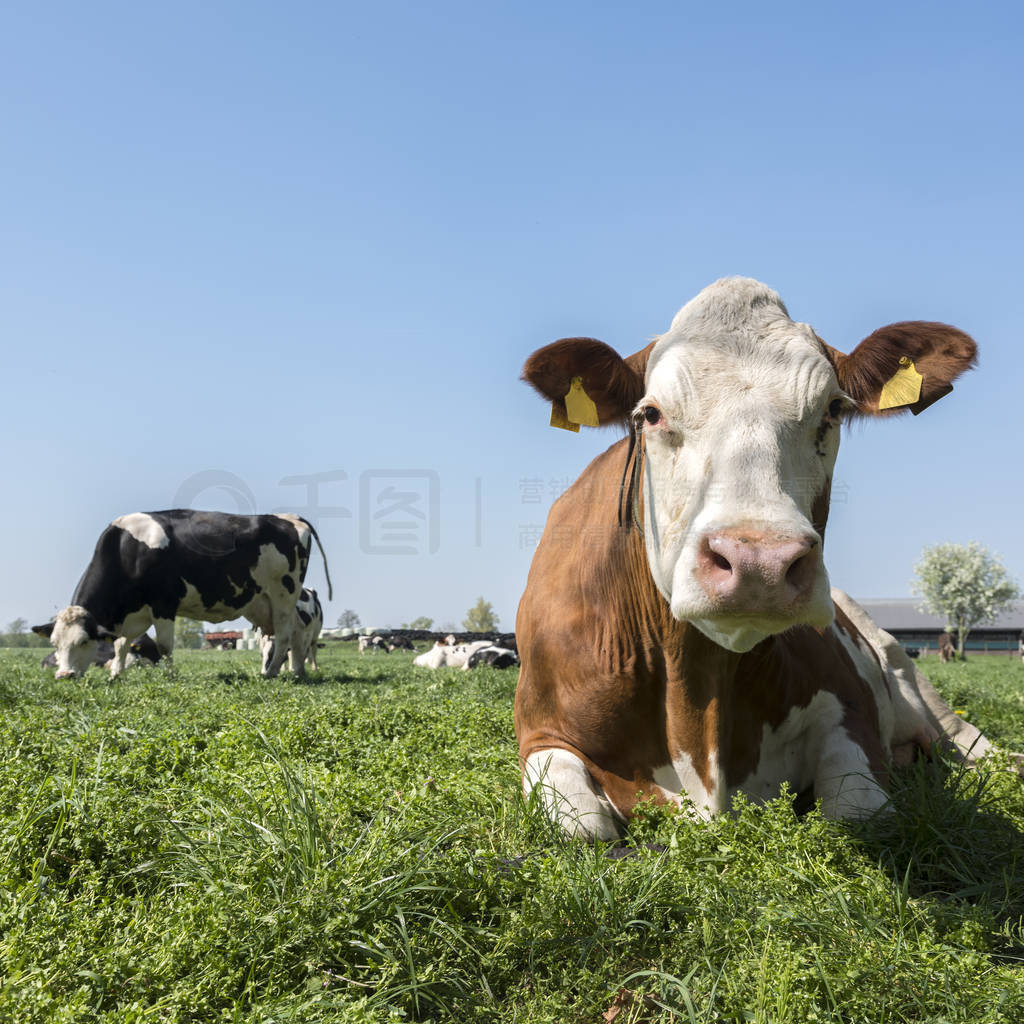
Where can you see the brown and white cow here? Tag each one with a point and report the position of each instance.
(678, 635)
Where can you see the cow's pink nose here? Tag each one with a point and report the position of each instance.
(752, 571)
(65, 674)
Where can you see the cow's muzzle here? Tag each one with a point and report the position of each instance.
(747, 571)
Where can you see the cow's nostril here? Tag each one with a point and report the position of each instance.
(719, 561)
(801, 571)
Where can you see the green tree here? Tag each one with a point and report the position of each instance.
(188, 633)
(19, 635)
(423, 622)
(481, 618)
(348, 619)
(964, 583)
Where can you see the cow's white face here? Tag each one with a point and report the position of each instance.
(739, 408)
(74, 637)
(740, 420)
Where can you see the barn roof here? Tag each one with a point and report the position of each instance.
(904, 613)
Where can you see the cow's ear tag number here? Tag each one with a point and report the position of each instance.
(902, 388)
(579, 406)
(558, 419)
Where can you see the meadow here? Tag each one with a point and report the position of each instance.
(196, 844)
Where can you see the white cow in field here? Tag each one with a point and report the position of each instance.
(443, 655)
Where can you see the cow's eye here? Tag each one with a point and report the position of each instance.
(652, 414)
(835, 408)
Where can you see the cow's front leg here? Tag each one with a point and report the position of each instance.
(844, 780)
(570, 796)
(117, 663)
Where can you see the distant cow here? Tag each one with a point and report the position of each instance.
(375, 644)
(142, 650)
(678, 634)
(495, 657)
(443, 655)
(309, 620)
(400, 643)
(149, 567)
(947, 652)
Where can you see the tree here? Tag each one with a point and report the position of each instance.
(965, 584)
(423, 622)
(481, 618)
(348, 619)
(188, 633)
(18, 635)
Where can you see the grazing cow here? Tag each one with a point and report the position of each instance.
(309, 620)
(376, 643)
(400, 643)
(444, 655)
(678, 636)
(947, 652)
(495, 657)
(143, 650)
(149, 567)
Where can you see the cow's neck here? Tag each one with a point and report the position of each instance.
(713, 696)
(104, 602)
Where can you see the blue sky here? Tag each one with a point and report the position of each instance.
(260, 241)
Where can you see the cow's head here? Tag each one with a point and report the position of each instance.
(74, 634)
(737, 409)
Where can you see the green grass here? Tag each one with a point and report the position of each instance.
(198, 844)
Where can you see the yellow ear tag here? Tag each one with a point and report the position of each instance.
(902, 388)
(558, 419)
(579, 406)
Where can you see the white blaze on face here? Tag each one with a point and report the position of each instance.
(743, 442)
(75, 650)
(144, 528)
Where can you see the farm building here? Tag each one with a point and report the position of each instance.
(914, 628)
(226, 640)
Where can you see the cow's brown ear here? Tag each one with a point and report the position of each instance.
(885, 362)
(44, 630)
(612, 383)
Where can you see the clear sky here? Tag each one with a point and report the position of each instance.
(244, 243)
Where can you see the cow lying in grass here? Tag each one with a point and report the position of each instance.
(678, 635)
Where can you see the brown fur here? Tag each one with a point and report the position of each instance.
(614, 384)
(609, 675)
(940, 354)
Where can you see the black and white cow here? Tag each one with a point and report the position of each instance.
(149, 567)
(494, 656)
(309, 620)
(445, 655)
(142, 651)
